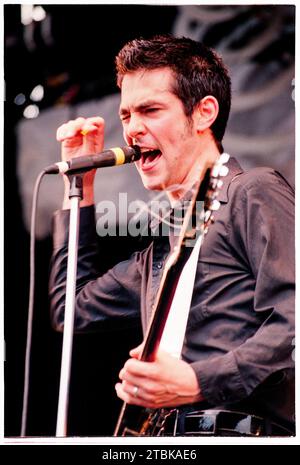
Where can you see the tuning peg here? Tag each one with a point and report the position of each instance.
(216, 184)
(223, 171)
(207, 216)
(224, 157)
(215, 205)
(215, 171)
(219, 170)
(213, 183)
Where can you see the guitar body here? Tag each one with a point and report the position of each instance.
(138, 421)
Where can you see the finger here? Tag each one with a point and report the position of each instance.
(122, 394)
(136, 390)
(74, 127)
(131, 389)
(125, 375)
(136, 351)
(96, 120)
(88, 129)
(130, 398)
(149, 387)
(95, 123)
(129, 394)
(60, 133)
(145, 369)
(69, 129)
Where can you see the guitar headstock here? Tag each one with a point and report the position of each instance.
(211, 204)
(206, 201)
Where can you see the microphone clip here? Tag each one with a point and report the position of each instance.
(76, 184)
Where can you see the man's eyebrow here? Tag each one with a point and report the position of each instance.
(142, 106)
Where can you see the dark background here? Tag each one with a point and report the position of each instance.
(79, 34)
(75, 66)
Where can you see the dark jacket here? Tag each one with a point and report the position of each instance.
(240, 333)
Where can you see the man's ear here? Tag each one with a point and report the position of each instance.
(206, 112)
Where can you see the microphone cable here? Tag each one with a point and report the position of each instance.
(30, 302)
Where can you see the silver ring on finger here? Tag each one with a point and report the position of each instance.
(135, 391)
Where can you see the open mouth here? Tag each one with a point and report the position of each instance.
(150, 157)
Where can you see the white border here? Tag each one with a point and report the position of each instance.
(2, 343)
(178, 441)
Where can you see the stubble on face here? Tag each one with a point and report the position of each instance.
(169, 129)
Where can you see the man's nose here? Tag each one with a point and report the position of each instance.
(136, 127)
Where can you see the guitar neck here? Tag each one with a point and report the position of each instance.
(162, 308)
(172, 272)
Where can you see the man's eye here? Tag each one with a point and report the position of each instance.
(151, 110)
(124, 117)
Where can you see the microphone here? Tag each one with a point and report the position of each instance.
(112, 157)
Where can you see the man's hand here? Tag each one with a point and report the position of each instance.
(166, 382)
(82, 136)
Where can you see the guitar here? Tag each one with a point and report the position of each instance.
(138, 421)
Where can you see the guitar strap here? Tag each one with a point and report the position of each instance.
(175, 328)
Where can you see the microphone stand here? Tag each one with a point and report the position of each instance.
(75, 195)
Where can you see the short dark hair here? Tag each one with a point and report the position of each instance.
(198, 70)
